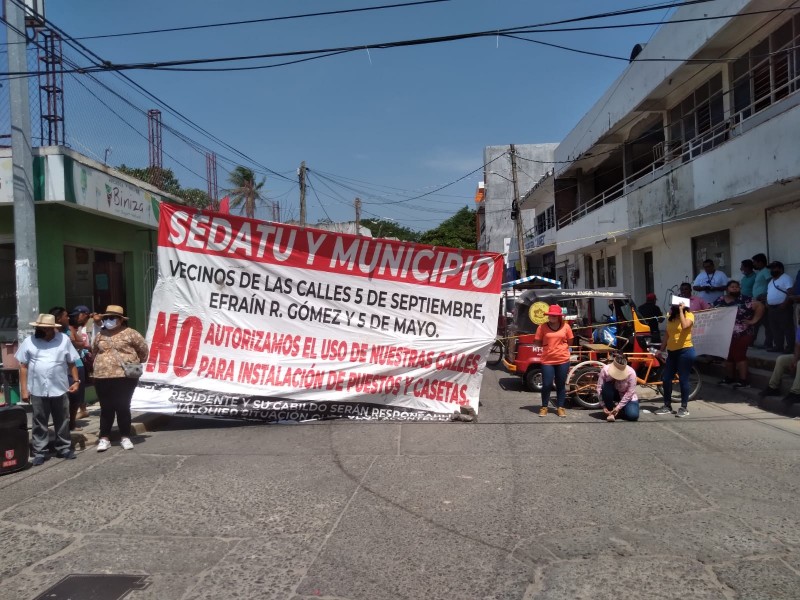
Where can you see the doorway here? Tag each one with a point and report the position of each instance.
(109, 281)
(714, 246)
(649, 275)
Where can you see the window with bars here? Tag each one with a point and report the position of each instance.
(546, 220)
(695, 123)
(601, 273)
(769, 72)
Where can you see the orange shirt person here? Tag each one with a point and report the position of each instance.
(555, 338)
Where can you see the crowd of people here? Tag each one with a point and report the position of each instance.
(55, 366)
(57, 361)
(765, 296)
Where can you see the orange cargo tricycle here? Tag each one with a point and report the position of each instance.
(580, 308)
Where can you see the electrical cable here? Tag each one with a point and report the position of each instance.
(262, 20)
(322, 206)
(389, 187)
(367, 194)
(89, 54)
(153, 65)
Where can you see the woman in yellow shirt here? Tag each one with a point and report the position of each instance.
(680, 356)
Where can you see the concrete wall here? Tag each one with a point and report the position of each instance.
(604, 223)
(500, 190)
(765, 155)
(672, 248)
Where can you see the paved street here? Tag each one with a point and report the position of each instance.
(512, 507)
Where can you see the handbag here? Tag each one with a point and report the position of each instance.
(88, 363)
(132, 370)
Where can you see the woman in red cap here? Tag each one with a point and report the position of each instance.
(555, 338)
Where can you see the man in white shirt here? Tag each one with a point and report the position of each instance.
(779, 308)
(45, 359)
(710, 284)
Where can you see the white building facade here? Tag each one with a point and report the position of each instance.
(680, 161)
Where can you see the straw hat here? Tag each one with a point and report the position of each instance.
(619, 368)
(45, 320)
(555, 311)
(113, 310)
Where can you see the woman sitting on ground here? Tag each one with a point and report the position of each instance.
(616, 386)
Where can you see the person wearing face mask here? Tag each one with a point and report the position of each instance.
(46, 360)
(555, 338)
(114, 345)
(748, 313)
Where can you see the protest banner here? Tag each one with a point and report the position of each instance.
(271, 322)
(712, 331)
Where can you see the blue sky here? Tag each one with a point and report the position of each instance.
(398, 119)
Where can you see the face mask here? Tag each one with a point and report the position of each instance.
(734, 294)
(110, 323)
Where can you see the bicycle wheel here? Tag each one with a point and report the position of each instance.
(695, 382)
(496, 354)
(582, 380)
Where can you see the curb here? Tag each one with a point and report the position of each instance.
(146, 422)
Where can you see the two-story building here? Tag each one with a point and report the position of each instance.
(690, 154)
(496, 229)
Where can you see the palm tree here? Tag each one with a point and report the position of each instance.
(245, 192)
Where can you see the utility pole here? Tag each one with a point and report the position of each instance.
(357, 204)
(523, 267)
(27, 267)
(302, 174)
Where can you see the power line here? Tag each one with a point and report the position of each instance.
(90, 55)
(367, 194)
(106, 65)
(322, 206)
(263, 20)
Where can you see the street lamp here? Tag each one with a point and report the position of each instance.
(501, 176)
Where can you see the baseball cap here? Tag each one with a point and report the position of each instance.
(81, 308)
(650, 297)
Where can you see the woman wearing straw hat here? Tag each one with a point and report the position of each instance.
(46, 359)
(555, 338)
(115, 346)
(616, 386)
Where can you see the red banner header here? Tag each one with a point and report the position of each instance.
(229, 236)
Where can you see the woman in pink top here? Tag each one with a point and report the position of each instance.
(616, 386)
(555, 338)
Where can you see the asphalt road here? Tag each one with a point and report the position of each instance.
(514, 506)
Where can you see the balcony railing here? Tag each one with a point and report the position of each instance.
(664, 153)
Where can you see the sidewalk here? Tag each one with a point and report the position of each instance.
(761, 363)
(89, 432)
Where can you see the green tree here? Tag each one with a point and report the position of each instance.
(163, 179)
(456, 232)
(389, 229)
(195, 197)
(246, 192)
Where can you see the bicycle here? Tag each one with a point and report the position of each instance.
(582, 378)
(496, 353)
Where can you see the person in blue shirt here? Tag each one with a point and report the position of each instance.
(45, 360)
